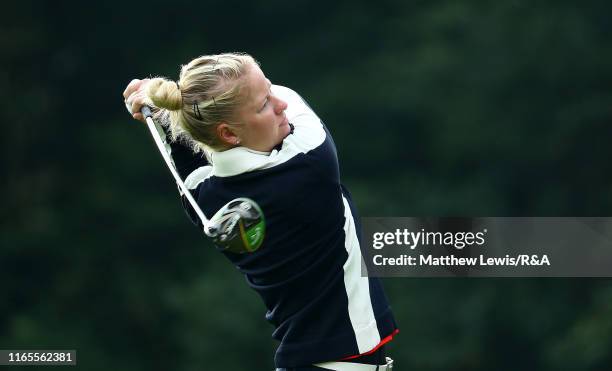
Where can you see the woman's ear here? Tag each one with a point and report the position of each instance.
(227, 134)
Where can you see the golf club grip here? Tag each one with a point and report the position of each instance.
(146, 111)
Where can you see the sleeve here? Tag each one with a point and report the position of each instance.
(185, 161)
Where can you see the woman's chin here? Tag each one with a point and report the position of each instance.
(284, 129)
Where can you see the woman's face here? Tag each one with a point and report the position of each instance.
(262, 116)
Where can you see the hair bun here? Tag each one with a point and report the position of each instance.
(165, 94)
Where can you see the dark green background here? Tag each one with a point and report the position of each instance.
(438, 108)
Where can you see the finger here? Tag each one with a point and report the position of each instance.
(135, 85)
(137, 102)
(129, 102)
(132, 86)
(130, 99)
(138, 116)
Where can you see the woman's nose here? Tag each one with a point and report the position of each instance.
(281, 106)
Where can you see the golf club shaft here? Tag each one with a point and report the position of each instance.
(156, 131)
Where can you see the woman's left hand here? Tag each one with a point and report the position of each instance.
(135, 97)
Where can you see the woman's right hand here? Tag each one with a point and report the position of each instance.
(135, 97)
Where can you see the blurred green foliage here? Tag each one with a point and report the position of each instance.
(439, 108)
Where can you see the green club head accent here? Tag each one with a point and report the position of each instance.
(239, 226)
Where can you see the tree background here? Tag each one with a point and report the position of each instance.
(438, 108)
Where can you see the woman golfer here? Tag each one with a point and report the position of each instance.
(263, 142)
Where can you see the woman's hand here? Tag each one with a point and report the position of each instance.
(135, 97)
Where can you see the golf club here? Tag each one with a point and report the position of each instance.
(239, 226)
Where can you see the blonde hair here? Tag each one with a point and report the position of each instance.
(208, 92)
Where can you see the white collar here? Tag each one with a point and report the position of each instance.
(307, 135)
(240, 160)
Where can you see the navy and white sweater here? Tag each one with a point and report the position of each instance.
(308, 270)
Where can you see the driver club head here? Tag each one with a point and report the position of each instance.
(238, 227)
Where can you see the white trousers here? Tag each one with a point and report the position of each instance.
(349, 366)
